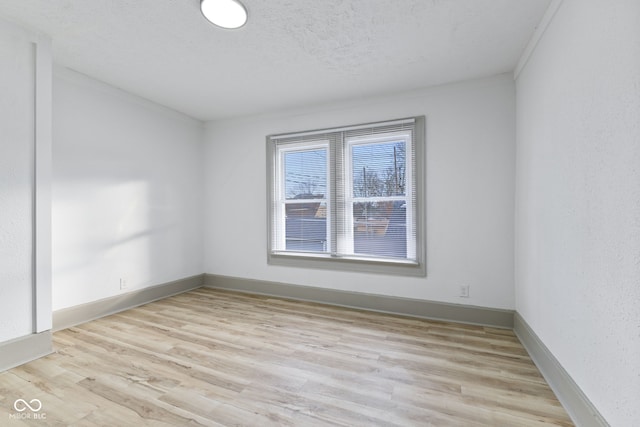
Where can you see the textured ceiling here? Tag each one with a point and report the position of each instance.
(291, 53)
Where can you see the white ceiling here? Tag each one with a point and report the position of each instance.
(291, 52)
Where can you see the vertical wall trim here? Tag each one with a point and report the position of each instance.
(43, 175)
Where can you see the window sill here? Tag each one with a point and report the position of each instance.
(388, 266)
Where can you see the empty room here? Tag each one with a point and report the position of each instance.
(320, 213)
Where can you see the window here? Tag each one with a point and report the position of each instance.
(348, 197)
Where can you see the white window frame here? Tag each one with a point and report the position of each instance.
(340, 221)
(345, 245)
(280, 188)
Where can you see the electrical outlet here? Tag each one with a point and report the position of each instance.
(123, 284)
(464, 291)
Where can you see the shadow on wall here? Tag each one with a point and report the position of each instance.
(105, 238)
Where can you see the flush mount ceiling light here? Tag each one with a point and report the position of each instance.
(224, 13)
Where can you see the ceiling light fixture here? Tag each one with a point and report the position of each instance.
(224, 13)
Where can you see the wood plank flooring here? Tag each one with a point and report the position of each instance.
(216, 358)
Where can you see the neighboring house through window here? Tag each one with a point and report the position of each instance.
(349, 197)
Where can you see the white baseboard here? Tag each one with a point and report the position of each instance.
(76, 315)
(24, 349)
(575, 402)
(382, 303)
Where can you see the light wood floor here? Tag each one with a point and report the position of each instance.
(214, 358)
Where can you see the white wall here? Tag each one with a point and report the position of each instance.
(578, 199)
(470, 193)
(25, 190)
(17, 189)
(127, 191)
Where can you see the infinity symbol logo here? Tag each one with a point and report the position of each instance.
(21, 405)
